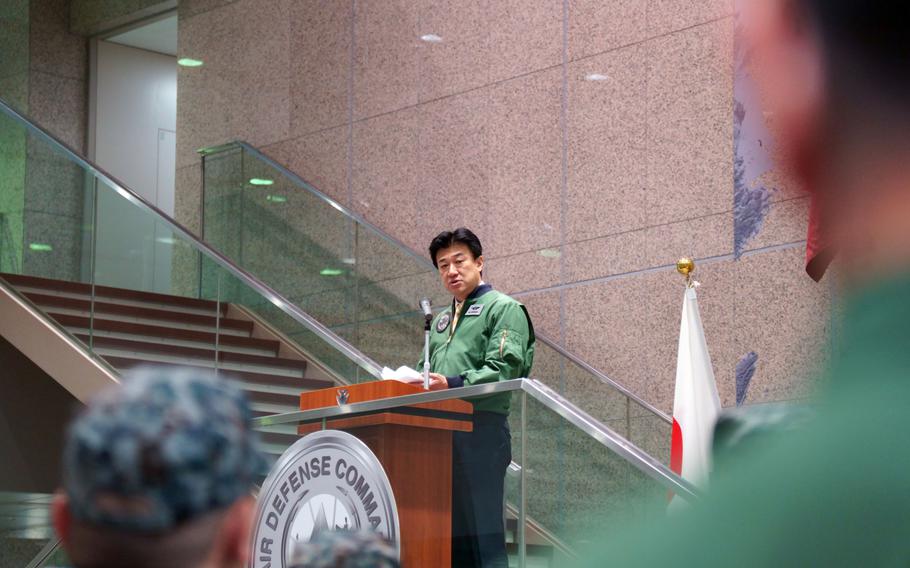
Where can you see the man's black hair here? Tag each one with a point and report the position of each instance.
(867, 47)
(461, 235)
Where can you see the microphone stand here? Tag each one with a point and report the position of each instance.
(428, 319)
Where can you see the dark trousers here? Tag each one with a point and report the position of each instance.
(479, 462)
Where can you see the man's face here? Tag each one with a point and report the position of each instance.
(459, 270)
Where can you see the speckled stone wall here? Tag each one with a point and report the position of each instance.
(43, 73)
(589, 143)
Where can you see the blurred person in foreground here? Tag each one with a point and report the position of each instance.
(836, 490)
(158, 473)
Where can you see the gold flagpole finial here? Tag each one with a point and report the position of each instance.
(686, 266)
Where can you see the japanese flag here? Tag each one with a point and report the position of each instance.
(696, 404)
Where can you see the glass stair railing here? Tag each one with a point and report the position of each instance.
(365, 285)
(573, 480)
(68, 221)
(75, 223)
(93, 261)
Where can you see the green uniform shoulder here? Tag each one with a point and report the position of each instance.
(501, 303)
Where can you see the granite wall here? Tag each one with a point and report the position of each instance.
(589, 143)
(43, 74)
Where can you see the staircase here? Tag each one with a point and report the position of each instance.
(310, 296)
(129, 329)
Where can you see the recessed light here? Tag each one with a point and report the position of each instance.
(40, 247)
(595, 77)
(166, 240)
(549, 253)
(261, 181)
(331, 272)
(349, 261)
(431, 38)
(276, 198)
(189, 62)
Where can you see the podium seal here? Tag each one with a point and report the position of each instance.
(326, 481)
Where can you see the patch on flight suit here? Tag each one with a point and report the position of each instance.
(474, 310)
(443, 322)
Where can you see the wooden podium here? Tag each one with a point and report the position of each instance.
(414, 445)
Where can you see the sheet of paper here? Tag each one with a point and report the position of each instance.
(403, 373)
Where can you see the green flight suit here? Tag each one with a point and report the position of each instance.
(492, 341)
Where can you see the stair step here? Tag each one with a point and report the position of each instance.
(200, 310)
(158, 333)
(123, 359)
(255, 381)
(191, 354)
(51, 303)
(222, 345)
(56, 312)
(84, 290)
(273, 397)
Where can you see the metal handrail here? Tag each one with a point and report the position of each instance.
(532, 387)
(297, 180)
(260, 287)
(46, 552)
(303, 183)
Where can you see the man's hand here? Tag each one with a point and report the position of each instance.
(438, 382)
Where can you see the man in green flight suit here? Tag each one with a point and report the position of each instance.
(483, 337)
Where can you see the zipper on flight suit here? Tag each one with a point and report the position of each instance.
(502, 342)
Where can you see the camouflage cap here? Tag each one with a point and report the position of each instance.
(164, 447)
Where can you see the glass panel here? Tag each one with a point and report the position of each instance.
(57, 559)
(145, 302)
(345, 275)
(134, 288)
(46, 226)
(621, 413)
(241, 303)
(364, 285)
(122, 278)
(25, 526)
(577, 489)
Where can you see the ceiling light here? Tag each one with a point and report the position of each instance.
(595, 77)
(349, 261)
(276, 198)
(331, 272)
(40, 247)
(189, 62)
(431, 38)
(261, 181)
(549, 253)
(166, 240)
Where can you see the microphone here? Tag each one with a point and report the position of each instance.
(425, 308)
(427, 323)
